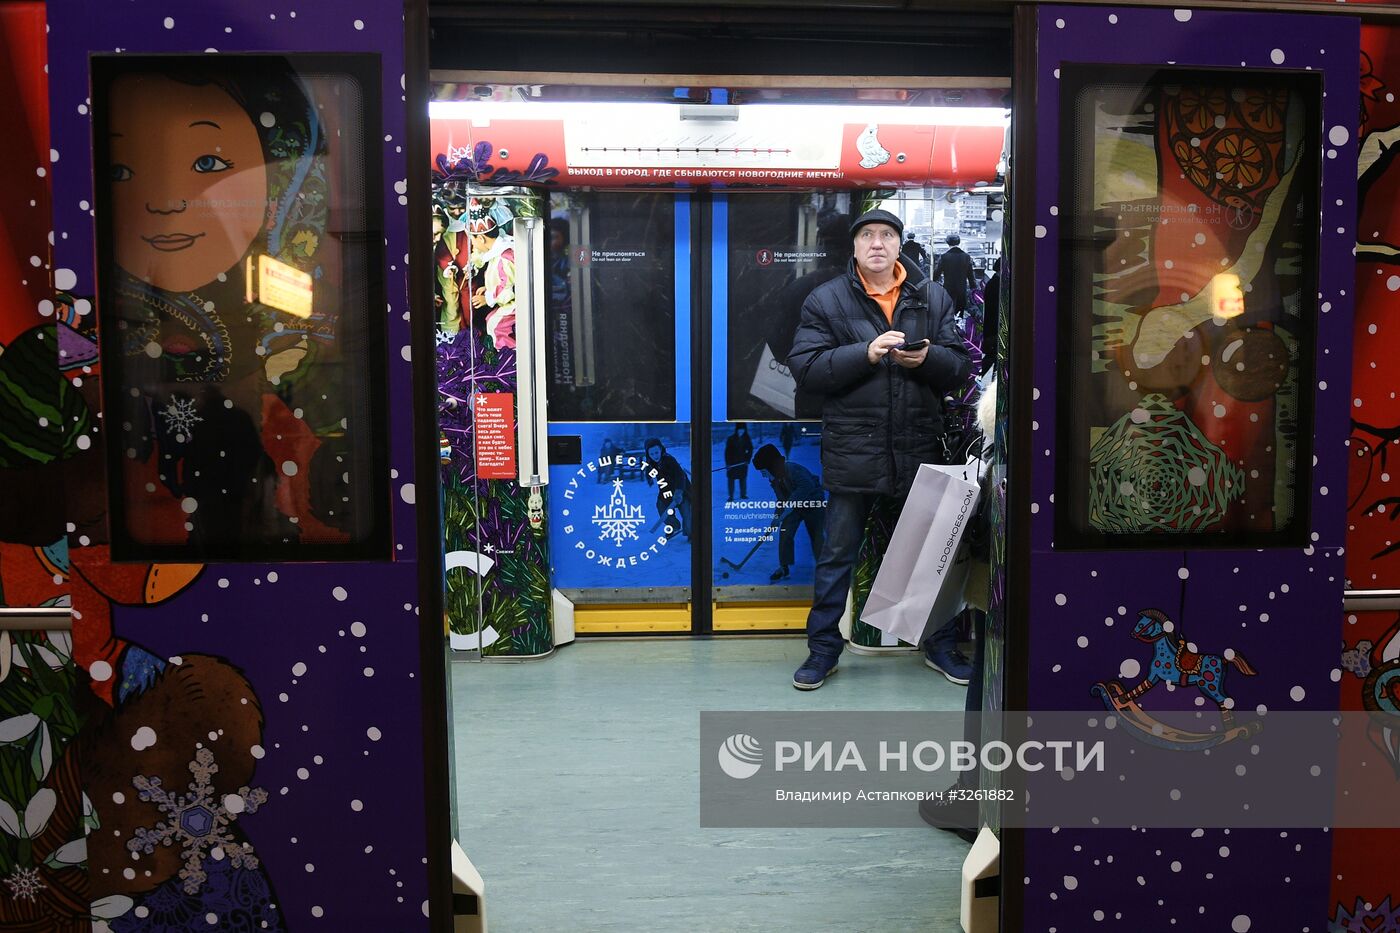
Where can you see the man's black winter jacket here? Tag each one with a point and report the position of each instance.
(878, 422)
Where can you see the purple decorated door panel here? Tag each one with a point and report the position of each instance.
(230, 201)
(1183, 409)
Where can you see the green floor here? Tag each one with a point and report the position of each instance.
(577, 796)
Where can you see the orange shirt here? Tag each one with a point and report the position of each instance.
(887, 298)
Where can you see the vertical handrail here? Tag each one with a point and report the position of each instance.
(581, 283)
(531, 426)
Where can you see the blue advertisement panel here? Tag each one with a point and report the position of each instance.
(621, 515)
(770, 507)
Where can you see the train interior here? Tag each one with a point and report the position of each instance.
(629, 566)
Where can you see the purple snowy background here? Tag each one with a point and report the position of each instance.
(344, 844)
(1261, 881)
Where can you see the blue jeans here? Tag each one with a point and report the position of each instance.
(846, 514)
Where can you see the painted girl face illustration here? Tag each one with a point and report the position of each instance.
(189, 182)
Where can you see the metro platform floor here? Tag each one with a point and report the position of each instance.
(577, 794)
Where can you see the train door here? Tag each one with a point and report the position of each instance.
(628, 491)
(1179, 410)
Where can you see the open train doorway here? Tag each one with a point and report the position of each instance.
(619, 271)
(617, 285)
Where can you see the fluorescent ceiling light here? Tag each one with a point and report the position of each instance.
(667, 112)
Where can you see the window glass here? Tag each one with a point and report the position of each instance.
(240, 274)
(1187, 306)
(781, 247)
(612, 311)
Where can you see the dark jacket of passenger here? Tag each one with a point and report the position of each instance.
(954, 271)
(878, 422)
(991, 320)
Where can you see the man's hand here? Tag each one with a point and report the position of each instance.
(911, 359)
(884, 344)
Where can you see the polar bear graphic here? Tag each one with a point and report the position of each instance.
(872, 154)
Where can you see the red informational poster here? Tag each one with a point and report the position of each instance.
(495, 435)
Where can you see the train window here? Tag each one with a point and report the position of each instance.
(612, 311)
(240, 285)
(1187, 304)
(781, 247)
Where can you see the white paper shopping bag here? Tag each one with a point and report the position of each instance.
(773, 383)
(920, 581)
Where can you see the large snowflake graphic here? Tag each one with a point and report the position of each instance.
(24, 884)
(617, 521)
(180, 417)
(198, 822)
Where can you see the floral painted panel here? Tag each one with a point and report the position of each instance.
(495, 540)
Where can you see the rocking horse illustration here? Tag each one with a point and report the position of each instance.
(1174, 663)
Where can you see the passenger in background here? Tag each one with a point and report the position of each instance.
(801, 501)
(954, 271)
(673, 489)
(914, 252)
(738, 448)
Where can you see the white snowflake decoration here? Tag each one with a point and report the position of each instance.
(25, 885)
(617, 521)
(180, 417)
(198, 822)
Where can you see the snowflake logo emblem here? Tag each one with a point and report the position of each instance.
(617, 521)
(180, 418)
(25, 885)
(196, 821)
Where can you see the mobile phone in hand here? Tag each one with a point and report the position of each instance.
(913, 345)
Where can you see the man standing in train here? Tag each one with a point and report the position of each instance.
(879, 345)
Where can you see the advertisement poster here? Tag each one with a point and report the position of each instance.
(770, 507)
(622, 517)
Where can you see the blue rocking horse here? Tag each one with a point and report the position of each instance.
(1173, 664)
